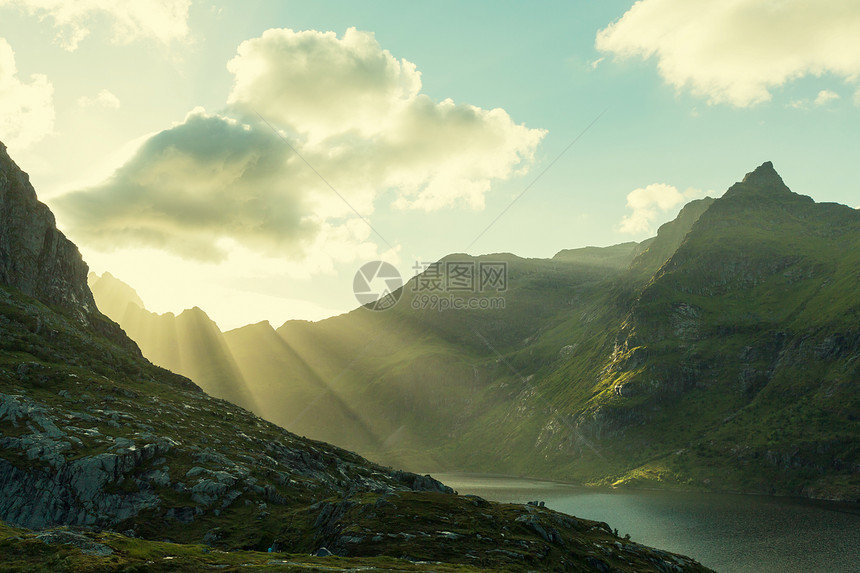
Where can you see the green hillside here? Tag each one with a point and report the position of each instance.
(741, 356)
(720, 354)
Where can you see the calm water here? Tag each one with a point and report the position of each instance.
(728, 533)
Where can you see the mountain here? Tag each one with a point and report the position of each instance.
(721, 354)
(190, 344)
(732, 366)
(35, 257)
(38, 260)
(115, 298)
(669, 237)
(747, 338)
(95, 440)
(385, 384)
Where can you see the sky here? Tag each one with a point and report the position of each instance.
(248, 158)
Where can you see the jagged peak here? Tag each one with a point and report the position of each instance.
(35, 257)
(764, 174)
(763, 182)
(263, 327)
(195, 311)
(108, 290)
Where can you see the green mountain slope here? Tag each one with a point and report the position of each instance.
(742, 352)
(393, 385)
(720, 354)
(426, 378)
(131, 467)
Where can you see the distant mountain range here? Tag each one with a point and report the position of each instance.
(722, 354)
(120, 465)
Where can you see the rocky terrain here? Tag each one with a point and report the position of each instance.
(35, 257)
(109, 463)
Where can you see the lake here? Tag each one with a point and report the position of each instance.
(728, 533)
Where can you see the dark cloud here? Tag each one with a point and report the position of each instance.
(204, 180)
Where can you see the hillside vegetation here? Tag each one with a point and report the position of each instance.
(721, 354)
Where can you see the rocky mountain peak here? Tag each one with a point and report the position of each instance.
(112, 295)
(35, 257)
(764, 175)
(764, 184)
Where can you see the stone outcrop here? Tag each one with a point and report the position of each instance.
(35, 257)
(75, 469)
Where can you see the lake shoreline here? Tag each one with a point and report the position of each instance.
(727, 532)
(636, 488)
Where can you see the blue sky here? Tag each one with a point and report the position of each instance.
(140, 125)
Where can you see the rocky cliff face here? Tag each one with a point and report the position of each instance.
(35, 257)
(38, 260)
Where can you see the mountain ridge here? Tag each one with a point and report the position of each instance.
(635, 351)
(95, 437)
(744, 295)
(35, 257)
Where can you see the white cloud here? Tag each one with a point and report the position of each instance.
(736, 51)
(161, 20)
(857, 97)
(354, 113)
(26, 107)
(825, 96)
(105, 98)
(353, 98)
(189, 187)
(650, 202)
(319, 84)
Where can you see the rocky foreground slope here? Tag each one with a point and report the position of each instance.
(141, 470)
